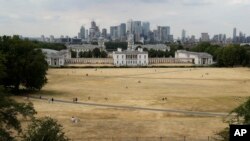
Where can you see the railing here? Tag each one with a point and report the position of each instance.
(89, 61)
(169, 60)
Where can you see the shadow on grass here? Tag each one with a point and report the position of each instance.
(50, 93)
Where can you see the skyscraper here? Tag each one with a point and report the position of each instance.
(145, 29)
(234, 35)
(205, 37)
(94, 31)
(122, 32)
(183, 35)
(114, 32)
(81, 34)
(163, 33)
(104, 33)
(137, 30)
(129, 27)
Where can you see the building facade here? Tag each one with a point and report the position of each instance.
(198, 58)
(56, 58)
(130, 58)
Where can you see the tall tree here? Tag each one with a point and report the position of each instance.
(24, 64)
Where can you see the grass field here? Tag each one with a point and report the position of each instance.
(195, 89)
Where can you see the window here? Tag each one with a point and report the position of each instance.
(117, 56)
(144, 56)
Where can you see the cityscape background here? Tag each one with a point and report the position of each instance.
(33, 18)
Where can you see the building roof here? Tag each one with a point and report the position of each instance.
(130, 52)
(199, 54)
(156, 47)
(83, 46)
(54, 53)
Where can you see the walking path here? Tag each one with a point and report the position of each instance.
(192, 113)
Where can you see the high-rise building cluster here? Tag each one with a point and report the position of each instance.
(240, 38)
(140, 30)
(142, 33)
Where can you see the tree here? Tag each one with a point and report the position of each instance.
(240, 115)
(35, 70)
(112, 46)
(24, 64)
(81, 54)
(10, 110)
(73, 54)
(103, 54)
(45, 129)
(2, 68)
(96, 52)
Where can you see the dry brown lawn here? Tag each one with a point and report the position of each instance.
(195, 89)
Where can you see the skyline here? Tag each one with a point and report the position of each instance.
(65, 17)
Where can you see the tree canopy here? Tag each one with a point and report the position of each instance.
(23, 64)
(112, 46)
(96, 53)
(9, 112)
(239, 115)
(228, 56)
(45, 129)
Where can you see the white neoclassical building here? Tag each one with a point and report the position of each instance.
(199, 58)
(56, 58)
(130, 57)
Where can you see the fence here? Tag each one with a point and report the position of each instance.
(184, 138)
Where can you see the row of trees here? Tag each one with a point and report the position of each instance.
(95, 53)
(229, 56)
(112, 46)
(22, 64)
(54, 46)
(152, 53)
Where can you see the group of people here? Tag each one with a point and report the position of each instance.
(164, 98)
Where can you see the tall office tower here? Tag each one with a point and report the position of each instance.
(129, 27)
(104, 33)
(192, 39)
(81, 34)
(155, 35)
(122, 32)
(234, 35)
(183, 35)
(94, 32)
(86, 33)
(205, 37)
(163, 33)
(114, 32)
(137, 30)
(42, 38)
(145, 30)
(52, 39)
(93, 24)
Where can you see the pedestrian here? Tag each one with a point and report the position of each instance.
(52, 99)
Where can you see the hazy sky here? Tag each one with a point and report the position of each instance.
(64, 17)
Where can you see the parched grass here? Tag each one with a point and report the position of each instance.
(195, 89)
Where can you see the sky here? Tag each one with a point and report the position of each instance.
(33, 18)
